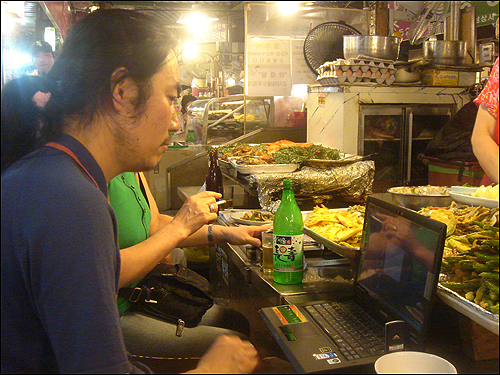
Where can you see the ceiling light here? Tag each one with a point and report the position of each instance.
(196, 15)
(287, 8)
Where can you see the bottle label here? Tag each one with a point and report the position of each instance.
(287, 253)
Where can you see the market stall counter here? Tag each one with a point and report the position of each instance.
(328, 275)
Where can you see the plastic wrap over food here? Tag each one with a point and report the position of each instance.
(350, 182)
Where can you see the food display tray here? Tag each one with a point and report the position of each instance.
(473, 311)
(262, 168)
(463, 194)
(345, 251)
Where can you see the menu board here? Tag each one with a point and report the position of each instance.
(268, 70)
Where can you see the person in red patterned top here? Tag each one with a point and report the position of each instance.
(485, 134)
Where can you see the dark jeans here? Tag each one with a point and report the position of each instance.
(151, 337)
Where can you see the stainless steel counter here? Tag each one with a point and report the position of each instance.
(320, 281)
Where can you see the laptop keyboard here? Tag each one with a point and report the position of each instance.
(352, 329)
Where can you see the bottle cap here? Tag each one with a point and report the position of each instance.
(287, 184)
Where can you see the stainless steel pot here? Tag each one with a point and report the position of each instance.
(405, 74)
(445, 52)
(371, 47)
(408, 72)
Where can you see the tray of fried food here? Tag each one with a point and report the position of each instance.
(338, 229)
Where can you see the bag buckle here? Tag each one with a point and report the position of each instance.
(148, 297)
(135, 295)
(180, 327)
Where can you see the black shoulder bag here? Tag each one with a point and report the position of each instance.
(172, 293)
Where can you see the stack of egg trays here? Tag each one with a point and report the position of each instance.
(354, 71)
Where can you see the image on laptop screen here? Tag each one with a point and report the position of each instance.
(398, 265)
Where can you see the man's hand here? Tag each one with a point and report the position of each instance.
(228, 354)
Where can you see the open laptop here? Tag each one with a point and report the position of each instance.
(395, 286)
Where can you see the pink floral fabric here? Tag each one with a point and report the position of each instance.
(489, 96)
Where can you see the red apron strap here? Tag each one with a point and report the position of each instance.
(70, 153)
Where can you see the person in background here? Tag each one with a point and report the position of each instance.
(180, 135)
(22, 113)
(110, 112)
(185, 102)
(485, 138)
(43, 57)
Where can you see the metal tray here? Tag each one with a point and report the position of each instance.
(345, 251)
(263, 168)
(473, 311)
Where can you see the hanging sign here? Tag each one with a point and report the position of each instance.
(301, 74)
(268, 70)
(216, 32)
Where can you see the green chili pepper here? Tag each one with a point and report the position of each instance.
(479, 223)
(494, 308)
(485, 257)
(480, 292)
(493, 264)
(492, 287)
(469, 265)
(469, 285)
(458, 258)
(493, 296)
(480, 267)
(489, 275)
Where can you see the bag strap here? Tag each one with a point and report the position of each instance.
(137, 294)
(71, 153)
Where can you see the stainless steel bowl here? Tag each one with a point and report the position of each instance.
(445, 52)
(417, 201)
(371, 47)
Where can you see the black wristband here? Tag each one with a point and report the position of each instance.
(210, 235)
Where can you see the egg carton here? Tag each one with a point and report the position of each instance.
(357, 71)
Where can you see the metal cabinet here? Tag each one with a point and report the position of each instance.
(220, 120)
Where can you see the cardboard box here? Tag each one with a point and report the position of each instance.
(477, 342)
(436, 77)
(466, 78)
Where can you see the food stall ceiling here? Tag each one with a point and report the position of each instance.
(170, 11)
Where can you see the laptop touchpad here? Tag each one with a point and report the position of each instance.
(303, 330)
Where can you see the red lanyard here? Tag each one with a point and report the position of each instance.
(70, 153)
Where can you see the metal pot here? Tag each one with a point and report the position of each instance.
(404, 74)
(408, 72)
(371, 47)
(445, 52)
(435, 197)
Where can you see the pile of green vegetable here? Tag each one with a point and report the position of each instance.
(284, 155)
(473, 266)
(296, 154)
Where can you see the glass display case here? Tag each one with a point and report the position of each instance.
(220, 120)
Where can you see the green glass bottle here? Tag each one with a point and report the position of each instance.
(288, 239)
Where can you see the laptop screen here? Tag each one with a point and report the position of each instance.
(398, 267)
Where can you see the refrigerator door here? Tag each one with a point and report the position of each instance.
(382, 131)
(423, 124)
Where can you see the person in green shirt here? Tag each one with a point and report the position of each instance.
(144, 241)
